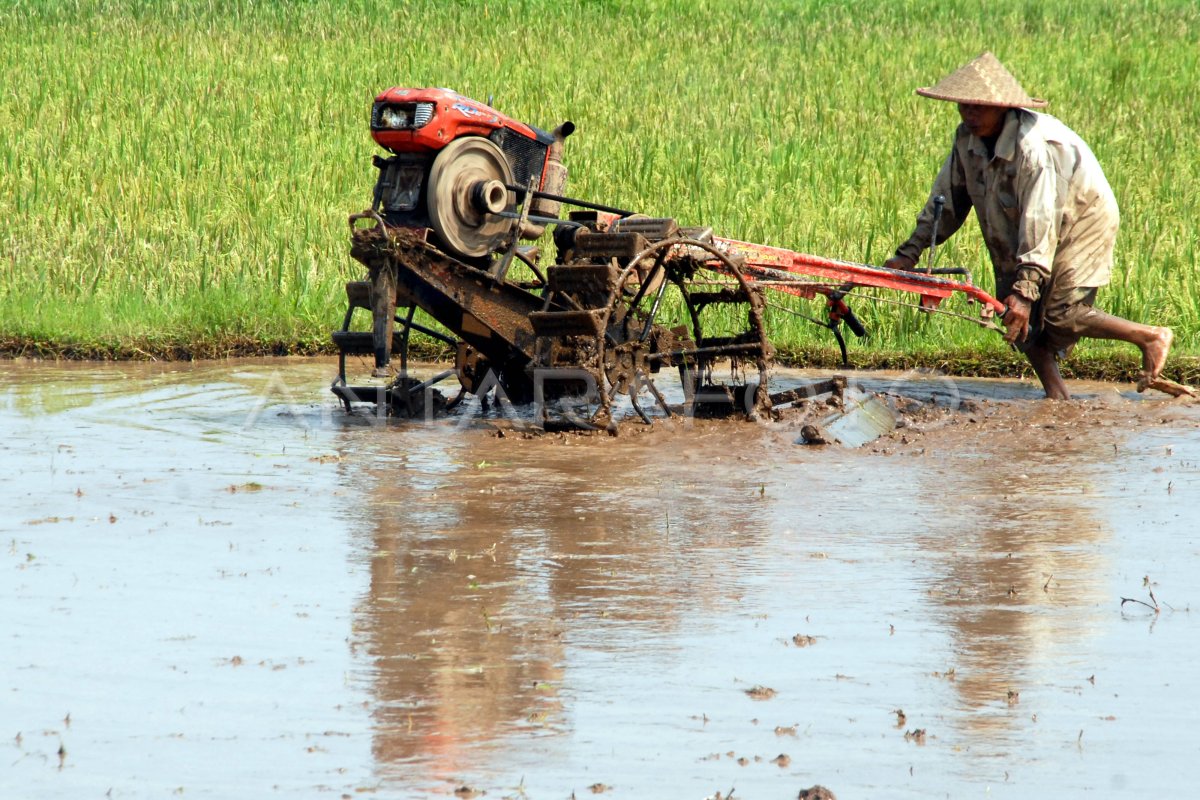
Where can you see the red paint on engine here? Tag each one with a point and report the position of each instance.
(453, 116)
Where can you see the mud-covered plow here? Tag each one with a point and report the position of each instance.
(621, 300)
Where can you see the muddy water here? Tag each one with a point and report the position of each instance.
(215, 584)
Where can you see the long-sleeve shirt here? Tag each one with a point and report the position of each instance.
(1047, 213)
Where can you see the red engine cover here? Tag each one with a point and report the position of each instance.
(453, 116)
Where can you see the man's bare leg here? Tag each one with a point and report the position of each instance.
(1153, 341)
(1046, 366)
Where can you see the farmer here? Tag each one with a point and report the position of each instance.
(1047, 214)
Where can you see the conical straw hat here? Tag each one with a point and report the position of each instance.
(983, 82)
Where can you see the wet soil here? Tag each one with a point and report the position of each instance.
(215, 583)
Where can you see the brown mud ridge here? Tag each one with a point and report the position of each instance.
(1024, 425)
(919, 422)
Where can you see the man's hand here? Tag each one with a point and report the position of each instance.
(899, 262)
(1016, 318)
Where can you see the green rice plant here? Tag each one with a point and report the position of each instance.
(175, 177)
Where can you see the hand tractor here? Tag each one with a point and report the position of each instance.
(461, 193)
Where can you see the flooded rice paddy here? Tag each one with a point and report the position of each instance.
(214, 584)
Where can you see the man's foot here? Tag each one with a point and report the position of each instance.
(1154, 353)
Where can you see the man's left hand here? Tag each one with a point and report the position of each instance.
(1016, 318)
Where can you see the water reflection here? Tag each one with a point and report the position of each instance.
(502, 567)
(1021, 567)
(490, 558)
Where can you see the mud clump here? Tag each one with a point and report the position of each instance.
(817, 792)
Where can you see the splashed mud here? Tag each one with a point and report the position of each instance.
(217, 584)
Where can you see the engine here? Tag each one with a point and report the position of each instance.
(454, 163)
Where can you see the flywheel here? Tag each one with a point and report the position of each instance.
(466, 183)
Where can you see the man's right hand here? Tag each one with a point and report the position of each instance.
(1016, 318)
(900, 262)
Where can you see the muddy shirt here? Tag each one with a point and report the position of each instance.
(1045, 208)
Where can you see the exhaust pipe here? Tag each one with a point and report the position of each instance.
(554, 181)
